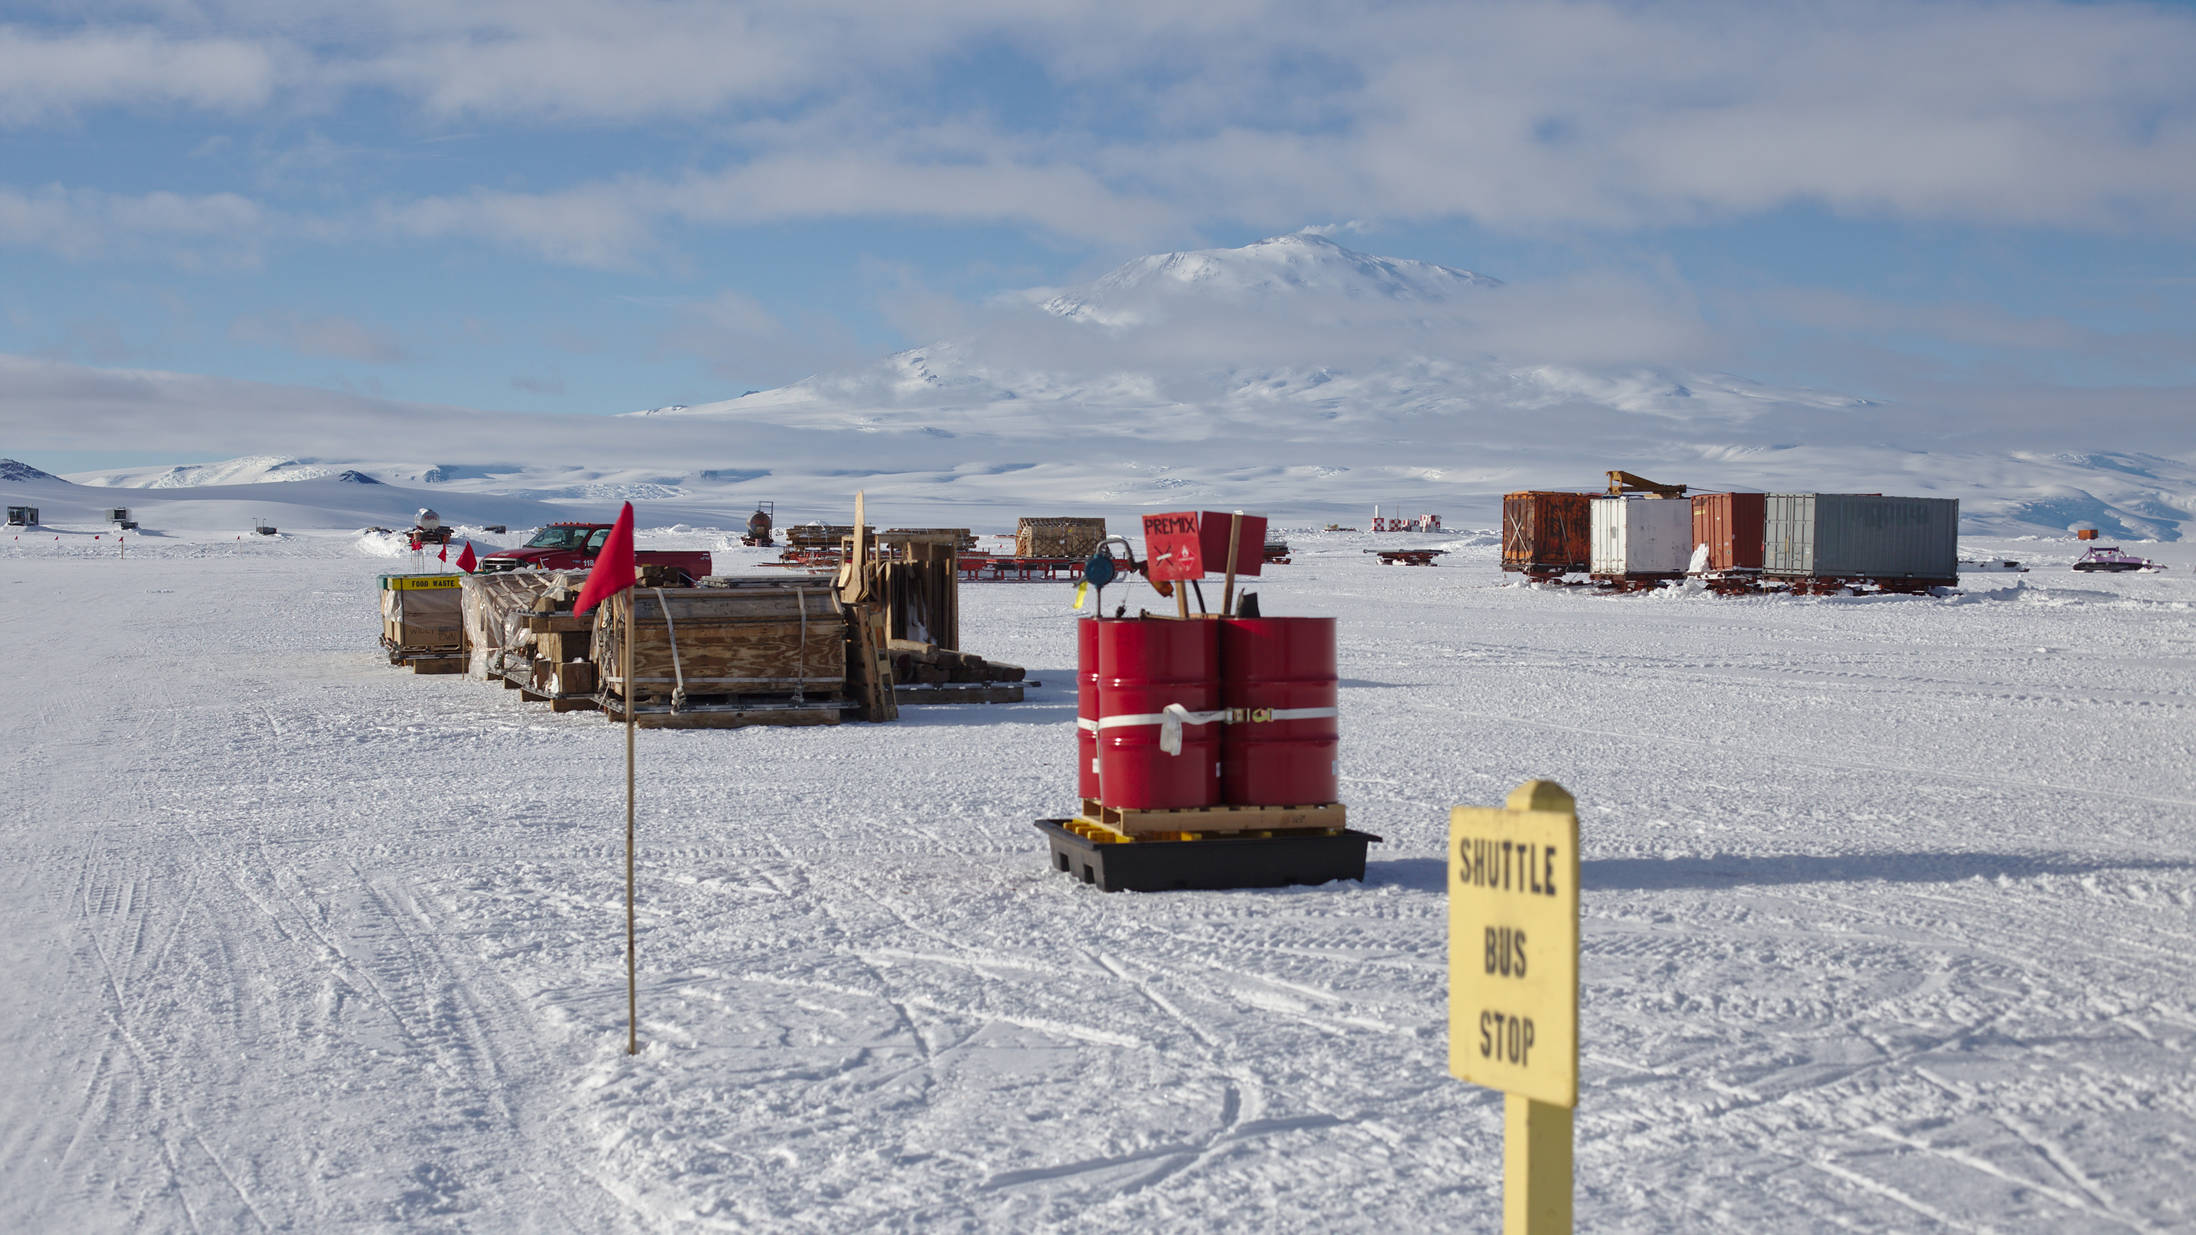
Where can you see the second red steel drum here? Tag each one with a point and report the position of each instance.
(1145, 664)
(1279, 666)
(1086, 708)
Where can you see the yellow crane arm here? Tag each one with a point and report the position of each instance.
(1621, 483)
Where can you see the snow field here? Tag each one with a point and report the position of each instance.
(1890, 923)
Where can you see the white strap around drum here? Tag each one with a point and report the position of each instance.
(1171, 719)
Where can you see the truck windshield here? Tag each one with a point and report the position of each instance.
(559, 538)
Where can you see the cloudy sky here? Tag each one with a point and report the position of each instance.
(581, 206)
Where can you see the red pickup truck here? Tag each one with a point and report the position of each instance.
(573, 546)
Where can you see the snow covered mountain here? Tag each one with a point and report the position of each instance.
(14, 472)
(250, 470)
(1290, 333)
(1294, 376)
(1149, 289)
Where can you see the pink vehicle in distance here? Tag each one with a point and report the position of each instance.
(2109, 558)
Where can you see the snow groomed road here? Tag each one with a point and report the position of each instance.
(1889, 924)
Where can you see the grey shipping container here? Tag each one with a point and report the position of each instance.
(1861, 536)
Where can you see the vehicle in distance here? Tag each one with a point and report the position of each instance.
(573, 546)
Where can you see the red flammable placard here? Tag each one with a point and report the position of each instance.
(1186, 544)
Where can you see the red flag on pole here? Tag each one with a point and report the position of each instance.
(444, 556)
(613, 571)
(466, 560)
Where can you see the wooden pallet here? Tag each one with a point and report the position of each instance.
(436, 664)
(1634, 583)
(945, 692)
(1134, 824)
(556, 702)
(560, 703)
(723, 717)
(1407, 557)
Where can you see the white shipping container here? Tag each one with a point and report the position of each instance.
(1641, 536)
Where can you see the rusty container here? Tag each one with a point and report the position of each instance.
(1545, 532)
(1278, 684)
(1730, 524)
(1146, 666)
(1086, 709)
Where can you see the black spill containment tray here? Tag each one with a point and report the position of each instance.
(1220, 862)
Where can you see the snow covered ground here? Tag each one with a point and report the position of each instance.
(1890, 924)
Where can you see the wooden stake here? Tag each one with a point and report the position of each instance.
(854, 572)
(632, 982)
(1227, 593)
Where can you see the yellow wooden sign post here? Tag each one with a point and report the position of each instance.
(1513, 987)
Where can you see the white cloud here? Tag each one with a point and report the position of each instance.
(48, 74)
(88, 222)
(1159, 118)
(613, 224)
(600, 225)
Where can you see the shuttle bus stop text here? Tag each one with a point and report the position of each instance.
(1513, 987)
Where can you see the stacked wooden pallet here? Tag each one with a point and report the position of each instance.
(895, 540)
(926, 673)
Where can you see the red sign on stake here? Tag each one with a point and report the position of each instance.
(1187, 544)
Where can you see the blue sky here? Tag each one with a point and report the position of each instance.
(585, 207)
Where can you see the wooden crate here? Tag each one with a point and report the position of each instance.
(770, 641)
(421, 615)
(1063, 536)
(565, 687)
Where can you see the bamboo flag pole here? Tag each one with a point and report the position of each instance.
(632, 968)
(609, 587)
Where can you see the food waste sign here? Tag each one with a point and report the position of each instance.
(1513, 944)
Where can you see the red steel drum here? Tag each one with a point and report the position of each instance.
(1144, 664)
(1086, 708)
(1269, 669)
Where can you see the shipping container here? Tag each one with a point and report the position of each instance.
(1859, 536)
(1730, 524)
(1545, 532)
(1641, 537)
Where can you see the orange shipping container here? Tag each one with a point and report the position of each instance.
(1546, 532)
(1730, 524)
